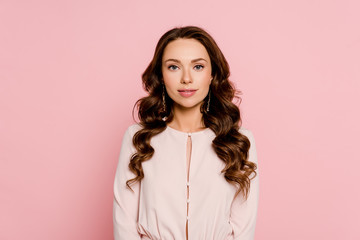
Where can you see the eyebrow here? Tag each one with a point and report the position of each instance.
(178, 61)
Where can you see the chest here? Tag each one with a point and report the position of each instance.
(174, 164)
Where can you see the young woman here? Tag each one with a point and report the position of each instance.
(187, 170)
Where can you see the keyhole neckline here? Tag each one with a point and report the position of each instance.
(187, 133)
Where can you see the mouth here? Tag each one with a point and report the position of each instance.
(187, 92)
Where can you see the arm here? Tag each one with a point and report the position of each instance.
(126, 202)
(243, 213)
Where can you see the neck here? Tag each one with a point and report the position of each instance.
(187, 120)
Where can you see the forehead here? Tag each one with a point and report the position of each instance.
(185, 49)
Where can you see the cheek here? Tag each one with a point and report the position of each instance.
(170, 86)
(207, 76)
(169, 77)
(168, 81)
(171, 82)
(206, 79)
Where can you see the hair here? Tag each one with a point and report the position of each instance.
(223, 117)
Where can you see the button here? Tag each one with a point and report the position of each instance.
(187, 217)
(189, 134)
(187, 183)
(188, 200)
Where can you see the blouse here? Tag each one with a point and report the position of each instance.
(174, 202)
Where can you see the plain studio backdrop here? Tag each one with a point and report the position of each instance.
(70, 74)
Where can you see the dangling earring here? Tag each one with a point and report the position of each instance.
(208, 103)
(164, 103)
(163, 99)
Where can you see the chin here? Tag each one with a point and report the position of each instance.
(188, 106)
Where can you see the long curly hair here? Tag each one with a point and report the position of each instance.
(223, 117)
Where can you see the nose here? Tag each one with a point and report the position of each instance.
(186, 77)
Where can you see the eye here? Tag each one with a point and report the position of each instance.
(172, 67)
(199, 67)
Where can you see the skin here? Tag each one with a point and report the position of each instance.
(186, 65)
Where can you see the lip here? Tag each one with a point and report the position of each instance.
(187, 92)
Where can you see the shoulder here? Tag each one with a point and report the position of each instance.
(252, 150)
(247, 133)
(132, 129)
(127, 139)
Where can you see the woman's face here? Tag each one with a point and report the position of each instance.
(186, 70)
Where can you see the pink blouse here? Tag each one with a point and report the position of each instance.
(166, 201)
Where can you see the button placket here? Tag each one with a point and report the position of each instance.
(188, 159)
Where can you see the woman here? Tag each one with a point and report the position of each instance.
(187, 170)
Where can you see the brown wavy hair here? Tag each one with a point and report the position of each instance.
(223, 117)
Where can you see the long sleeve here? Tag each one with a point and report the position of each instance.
(126, 202)
(243, 213)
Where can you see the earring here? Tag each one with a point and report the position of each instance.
(208, 103)
(163, 99)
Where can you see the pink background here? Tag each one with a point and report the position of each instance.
(70, 74)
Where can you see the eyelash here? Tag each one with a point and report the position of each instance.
(171, 67)
(199, 66)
